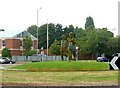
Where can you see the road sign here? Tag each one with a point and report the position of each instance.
(115, 63)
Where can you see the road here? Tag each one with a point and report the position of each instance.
(6, 66)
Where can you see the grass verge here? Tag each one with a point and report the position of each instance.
(64, 66)
(94, 78)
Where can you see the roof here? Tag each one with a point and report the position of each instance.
(16, 34)
(8, 33)
(23, 34)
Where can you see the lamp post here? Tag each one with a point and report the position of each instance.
(37, 25)
(47, 38)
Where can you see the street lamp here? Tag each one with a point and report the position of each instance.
(37, 25)
(2, 30)
(47, 38)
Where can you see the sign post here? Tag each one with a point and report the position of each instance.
(115, 63)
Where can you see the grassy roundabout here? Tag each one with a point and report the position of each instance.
(64, 66)
(61, 73)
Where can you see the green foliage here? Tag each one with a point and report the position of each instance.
(93, 41)
(6, 53)
(33, 30)
(112, 46)
(29, 53)
(90, 41)
(27, 46)
(55, 31)
(79, 32)
(27, 43)
(89, 23)
(118, 44)
(55, 48)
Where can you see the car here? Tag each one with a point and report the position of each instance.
(5, 60)
(102, 59)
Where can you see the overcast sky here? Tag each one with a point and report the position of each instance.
(18, 15)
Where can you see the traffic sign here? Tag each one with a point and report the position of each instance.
(115, 63)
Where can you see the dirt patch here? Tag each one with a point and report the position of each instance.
(25, 84)
(53, 84)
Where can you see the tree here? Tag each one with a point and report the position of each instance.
(93, 41)
(27, 45)
(118, 44)
(6, 53)
(103, 36)
(58, 31)
(33, 30)
(31, 52)
(112, 46)
(43, 35)
(55, 31)
(79, 32)
(67, 30)
(55, 48)
(89, 23)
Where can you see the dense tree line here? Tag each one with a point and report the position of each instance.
(89, 39)
(55, 31)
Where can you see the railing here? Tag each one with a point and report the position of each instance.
(37, 58)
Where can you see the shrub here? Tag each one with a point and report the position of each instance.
(6, 53)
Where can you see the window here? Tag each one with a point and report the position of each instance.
(21, 43)
(3, 43)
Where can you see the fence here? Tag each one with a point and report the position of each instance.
(37, 58)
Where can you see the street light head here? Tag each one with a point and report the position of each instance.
(40, 7)
(2, 30)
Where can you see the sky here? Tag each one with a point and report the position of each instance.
(17, 15)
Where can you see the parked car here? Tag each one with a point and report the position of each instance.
(102, 59)
(5, 60)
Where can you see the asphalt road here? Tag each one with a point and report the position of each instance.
(6, 66)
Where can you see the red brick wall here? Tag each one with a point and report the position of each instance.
(34, 44)
(16, 52)
(86, 57)
(12, 43)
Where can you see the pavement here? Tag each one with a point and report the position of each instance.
(7, 66)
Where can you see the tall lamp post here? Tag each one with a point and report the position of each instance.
(37, 25)
(47, 38)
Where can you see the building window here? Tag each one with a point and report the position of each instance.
(3, 43)
(21, 43)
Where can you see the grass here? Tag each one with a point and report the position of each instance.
(60, 78)
(64, 66)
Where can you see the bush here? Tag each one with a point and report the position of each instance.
(29, 53)
(55, 48)
(6, 53)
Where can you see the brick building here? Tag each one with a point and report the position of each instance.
(15, 43)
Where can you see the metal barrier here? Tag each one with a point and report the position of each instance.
(37, 58)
